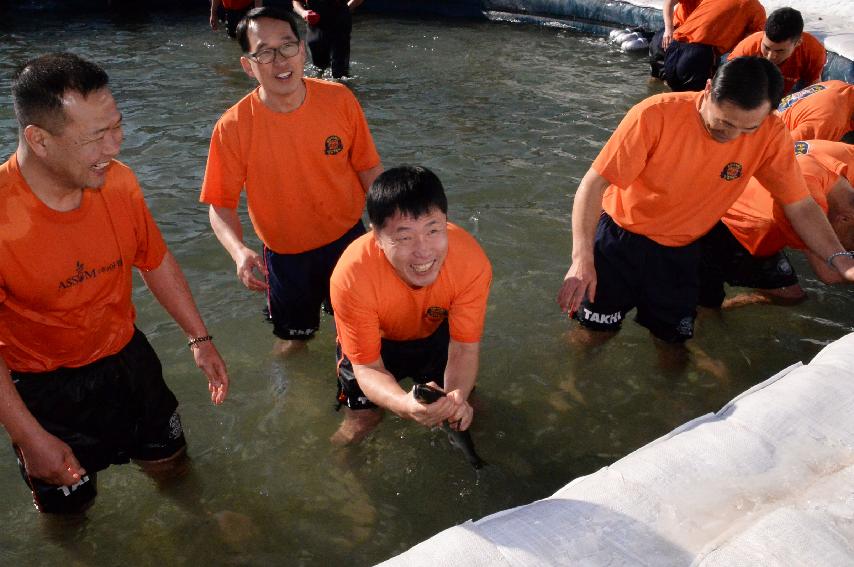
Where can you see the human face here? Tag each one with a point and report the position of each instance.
(778, 51)
(79, 155)
(726, 121)
(415, 247)
(281, 83)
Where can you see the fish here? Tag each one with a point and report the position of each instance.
(460, 439)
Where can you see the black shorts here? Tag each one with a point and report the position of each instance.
(423, 360)
(329, 41)
(687, 66)
(110, 411)
(656, 55)
(299, 286)
(634, 271)
(725, 260)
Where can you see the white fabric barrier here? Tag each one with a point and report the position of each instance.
(766, 481)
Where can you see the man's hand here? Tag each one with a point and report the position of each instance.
(247, 262)
(49, 459)
(463, 412)
(666, 38)
(211, 363)
(430, 415)
(580, 281)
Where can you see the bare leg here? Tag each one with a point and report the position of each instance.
(165, 470)
(584, 339)
(285, 348)
(789, 295)
(357, 424)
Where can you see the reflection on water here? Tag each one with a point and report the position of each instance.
(510, 117)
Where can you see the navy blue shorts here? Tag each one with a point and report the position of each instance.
(725, 261)
(687, 66)
(299, 286)
(423, 360)
(110, 411)
(634, 271)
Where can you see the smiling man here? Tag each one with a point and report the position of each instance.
(670, 171)
(86, 389)
(784, 43)
(302, 150)
(410, 301)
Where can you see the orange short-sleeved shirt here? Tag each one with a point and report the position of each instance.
(300, 168)
(671, 181)
(682, 10)
(823, 111)
(371, 302)
(803, 66)
(721, 23)
(761, 225)
(65, 277)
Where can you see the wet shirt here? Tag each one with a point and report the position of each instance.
(760, 224)
(65, 277)
(371, 301)
(803, 66)
(824, 111)
(721, 23)
(299, 169)
(671, 181)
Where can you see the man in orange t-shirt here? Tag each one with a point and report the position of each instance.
(80, 387)
(642, 250)
(232, 11)
(302, 150)
(823, 111)
(799, 55)
(410, 301)
(746, 248)
(712, 29)
(674, 12)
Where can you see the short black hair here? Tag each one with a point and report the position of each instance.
(747, 82)
(272, 12)
(784, 24)
(410, 190)
(39, 85)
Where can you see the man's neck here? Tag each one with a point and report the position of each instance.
(285, 103)
(43, 184)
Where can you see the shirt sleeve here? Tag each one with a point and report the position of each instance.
(358, 326)
(363, 154)
(468, 310)
(625, 154)
(780, 173)
(150, 245)
(225, 173)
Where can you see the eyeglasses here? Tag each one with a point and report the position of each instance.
(286, 50)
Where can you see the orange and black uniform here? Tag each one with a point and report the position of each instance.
(67, 321)
(300, 171)
(711, 30)
(823, 111)
(378, 315)
(664, 204)
(803, 67)
(656, 54)
(746, 247)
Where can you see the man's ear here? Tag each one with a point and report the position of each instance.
(36, 139)
(247, 66)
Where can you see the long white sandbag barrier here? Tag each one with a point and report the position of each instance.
(766, 481)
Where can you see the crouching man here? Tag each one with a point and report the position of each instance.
(409, 300)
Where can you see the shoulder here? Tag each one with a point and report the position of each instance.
(238, 111)
(328, 89)
(464, 251)
(361, 257)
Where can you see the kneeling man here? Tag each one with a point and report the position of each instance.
(409, 300)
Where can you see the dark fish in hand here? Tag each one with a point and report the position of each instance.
(460, 439)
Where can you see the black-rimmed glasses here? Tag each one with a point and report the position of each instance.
(286, 50)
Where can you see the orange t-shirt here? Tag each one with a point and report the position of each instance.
(721, 23)
(65, 277)
(823, 111)
(300, 168)
(803, 66)
(682, 10)
(371, 302)
(761, 225)
(671, 181)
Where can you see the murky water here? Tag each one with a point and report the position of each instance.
(510, 117)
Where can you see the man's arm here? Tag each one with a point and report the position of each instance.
(382, 388)
(353, 4)
(299, 9)
(667, 11)
(460, 376)
(214, 19)
(366, 177)
(812, 226)
(170, 288)
(228, 230)
(45, 457)
(580, 280)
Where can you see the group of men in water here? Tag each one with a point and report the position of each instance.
(654, 228)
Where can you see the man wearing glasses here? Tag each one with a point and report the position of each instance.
(303, 151)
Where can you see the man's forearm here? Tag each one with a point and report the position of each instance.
(380, 387)
(14, 415)
(367, 177)
(461, 370)
(228, 230)
(586, 208)
(169, 287)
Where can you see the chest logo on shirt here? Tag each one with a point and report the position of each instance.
(801, 148)
(82, 274)
(731, 171)
(333, 145)
(436, 313)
